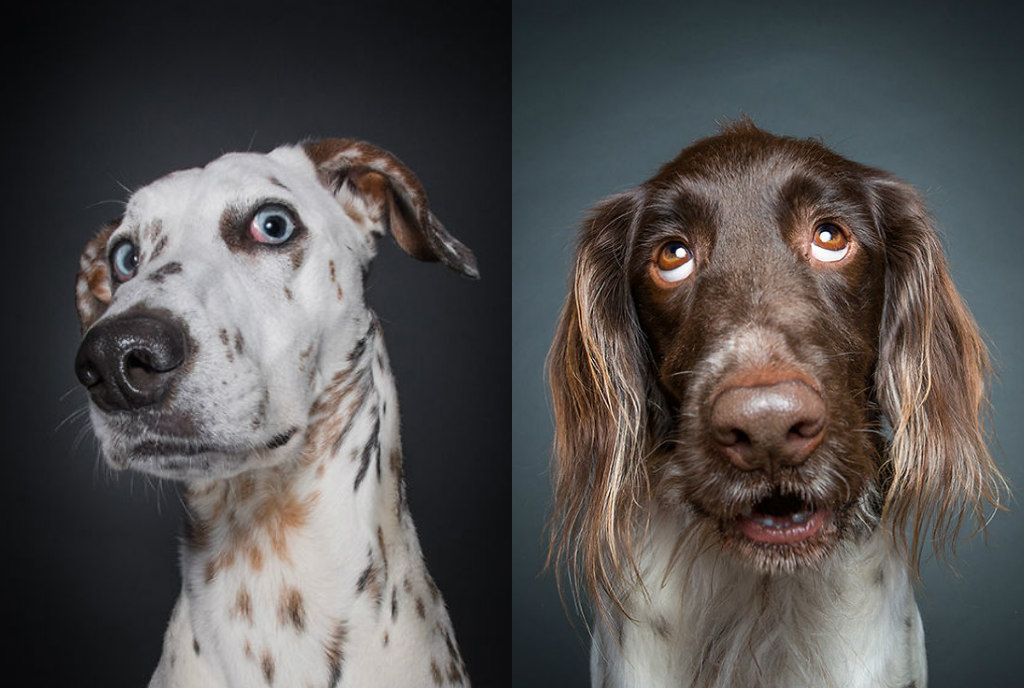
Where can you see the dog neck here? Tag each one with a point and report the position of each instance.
(320, 552)
(707, 620)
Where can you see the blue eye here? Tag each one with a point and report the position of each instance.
(272, 224)
(124, 258)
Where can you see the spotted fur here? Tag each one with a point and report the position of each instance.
(299, 551)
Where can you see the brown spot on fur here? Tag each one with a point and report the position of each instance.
(297, 254)
(336, 652)
(255, 556)
(353, 211)
(93, 289)
(239, 342)
(267, 665)
(153, 230)
(420, 610)
(340, 293)
(383, 549)
(370, 581)
(288, 293)
(292, 610)
(197, 532)
(330, 264)
(454, 676)
(243, 604)
(159, 248)
(435, 673)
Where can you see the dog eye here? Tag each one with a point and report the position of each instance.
(830, 243)
(272, 224)
(674, 261)
(125, 260)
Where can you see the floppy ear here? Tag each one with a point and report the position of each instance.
(600, 380)
(930, 378)
(93, 290)
(370, 182)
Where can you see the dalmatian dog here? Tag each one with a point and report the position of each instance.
(227, 344)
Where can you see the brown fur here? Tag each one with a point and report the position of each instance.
(885, 331)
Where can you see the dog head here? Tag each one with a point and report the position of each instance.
(763, 339)
(211, 307)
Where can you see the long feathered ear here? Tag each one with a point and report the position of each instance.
(93, 289)
(931, 376)
(373, 184)
(600, 383)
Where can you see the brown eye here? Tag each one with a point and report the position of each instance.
(830, 243)
(673, 261)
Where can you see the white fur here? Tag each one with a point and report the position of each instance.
(707, 620)
(296, 521)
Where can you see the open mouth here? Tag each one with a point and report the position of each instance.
(781, 519)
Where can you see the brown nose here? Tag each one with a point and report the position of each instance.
(768, 426)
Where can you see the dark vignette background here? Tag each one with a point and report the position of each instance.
(604, 92)
(114, 95)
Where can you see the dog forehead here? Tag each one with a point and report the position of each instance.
(229, 177)
(186, 201)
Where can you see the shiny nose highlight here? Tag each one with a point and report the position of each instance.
(765, 427)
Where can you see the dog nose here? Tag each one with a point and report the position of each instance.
(130, 361)
(768, 426)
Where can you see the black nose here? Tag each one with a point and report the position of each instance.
(130, 361)
(768, 426)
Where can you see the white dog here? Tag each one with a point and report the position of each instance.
(227, 344)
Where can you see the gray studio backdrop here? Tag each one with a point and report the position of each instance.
(602, 93)
(108, 95)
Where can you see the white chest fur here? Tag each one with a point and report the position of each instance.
(709, 622)
(311, 573)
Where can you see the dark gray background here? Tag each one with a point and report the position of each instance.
(603, 93)
(124, 94)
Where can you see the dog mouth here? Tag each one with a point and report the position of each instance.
(195, 457)
(194, 447)
(781, 519)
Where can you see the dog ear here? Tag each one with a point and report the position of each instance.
(93, 289)
(600, 380)
(370, 182)
(931, 376)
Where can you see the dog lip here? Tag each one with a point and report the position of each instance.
(191, 446)
(782, 529)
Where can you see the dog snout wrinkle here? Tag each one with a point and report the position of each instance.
(130, 361)
(768, 426)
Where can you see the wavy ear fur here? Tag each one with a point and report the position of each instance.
(930, 381)
(600, 384)
(393, 198)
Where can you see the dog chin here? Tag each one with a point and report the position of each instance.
(195, 457)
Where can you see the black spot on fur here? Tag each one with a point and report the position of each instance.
(161, 273)
(394, 603)
(336, 653)
(372, 447)
(364, 578)
(195, 646)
